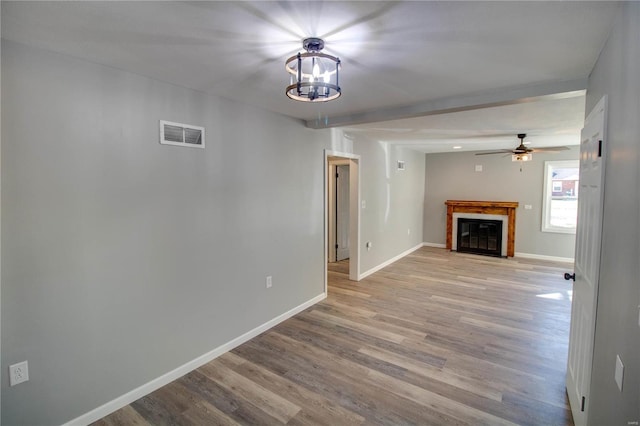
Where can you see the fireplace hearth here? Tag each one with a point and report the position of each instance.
(480, 236)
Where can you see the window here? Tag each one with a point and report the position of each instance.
(560, 196)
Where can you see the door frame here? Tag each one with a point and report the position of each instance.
(330, 160)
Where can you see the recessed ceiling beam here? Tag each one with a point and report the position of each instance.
(499, 97)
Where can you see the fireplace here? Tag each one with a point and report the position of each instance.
(486, 210)
(480, 236)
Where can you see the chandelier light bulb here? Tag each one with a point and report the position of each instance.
(316, 71)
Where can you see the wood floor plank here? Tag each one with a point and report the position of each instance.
(317, 409)
(203, 413)
(382, 334)
(269, 402)
(226, 400)
(480, 388)
(438, 403)
(124, 417)
(481, 306)
(437, 338)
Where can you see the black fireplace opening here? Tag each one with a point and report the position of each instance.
(480, 236)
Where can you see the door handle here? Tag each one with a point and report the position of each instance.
(568, 276)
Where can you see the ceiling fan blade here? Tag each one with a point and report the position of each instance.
(503, 151)
(551, 149)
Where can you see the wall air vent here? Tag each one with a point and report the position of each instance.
(400, 165)
(181, 134)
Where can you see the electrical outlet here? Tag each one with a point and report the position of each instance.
(18, 373)
(364, 204)
(269, 283)
(478, 167)
(528, 206)
(408, 231)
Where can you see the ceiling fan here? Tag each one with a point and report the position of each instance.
(522, 150)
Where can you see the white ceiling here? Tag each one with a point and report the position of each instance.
(547, 122)
(397, 57)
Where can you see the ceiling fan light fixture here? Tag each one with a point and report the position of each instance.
(522, 157)
(313, 75)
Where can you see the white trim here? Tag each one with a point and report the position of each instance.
(517, 254)
(331, 217)
(389, 262)
(147, 388)
(437, 245)
(544, 257)
(354, 212)
(547, 193)
(355, 191)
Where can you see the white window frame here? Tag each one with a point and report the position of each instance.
(547, 191)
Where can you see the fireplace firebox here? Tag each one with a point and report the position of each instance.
(480, 236)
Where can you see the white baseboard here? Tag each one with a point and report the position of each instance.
(169, 377)
(544, 257)
(437, 245)
(518, 254)
(388, 262)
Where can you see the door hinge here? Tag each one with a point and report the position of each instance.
(337, 175)
(582, 405)
(600, 148)
(336, 246)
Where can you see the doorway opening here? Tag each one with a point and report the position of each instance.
(342, 212)
(339, 209)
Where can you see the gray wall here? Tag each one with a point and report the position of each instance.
(617, 74)
(452, 176)
(393, 201)
(123, 258)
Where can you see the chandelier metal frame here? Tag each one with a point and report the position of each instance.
(307, 77)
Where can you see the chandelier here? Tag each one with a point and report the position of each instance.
(313, 75)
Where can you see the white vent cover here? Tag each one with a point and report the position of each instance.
(400, 165)
(181, 134)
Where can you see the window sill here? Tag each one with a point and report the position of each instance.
(560, 230)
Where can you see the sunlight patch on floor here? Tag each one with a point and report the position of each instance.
(557, 295)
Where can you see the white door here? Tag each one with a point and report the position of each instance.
(587, 262)
(342, 212)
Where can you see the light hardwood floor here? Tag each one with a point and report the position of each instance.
(436, 338)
